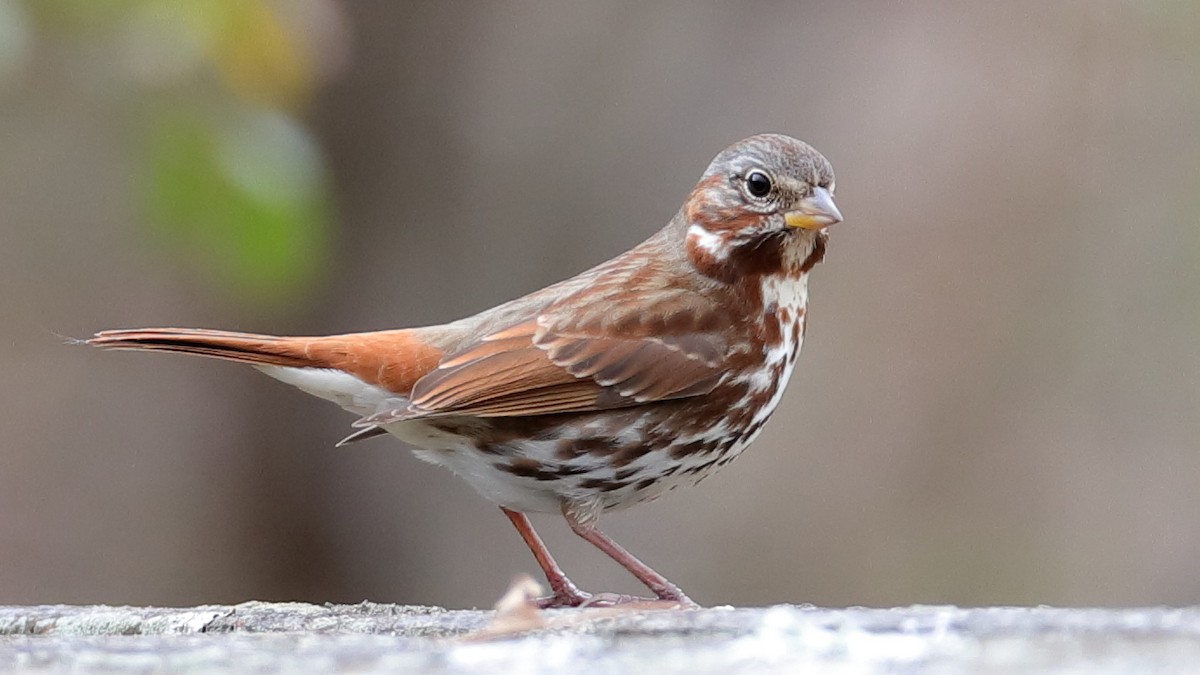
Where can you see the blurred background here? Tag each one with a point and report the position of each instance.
(999, 397)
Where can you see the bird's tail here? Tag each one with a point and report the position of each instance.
(243, 347)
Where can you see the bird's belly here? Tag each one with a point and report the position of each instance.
(587, 462)
(457, 448)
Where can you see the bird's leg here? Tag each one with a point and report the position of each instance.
(565, 593)
(665, 590)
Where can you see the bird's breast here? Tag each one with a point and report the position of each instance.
(757, 380)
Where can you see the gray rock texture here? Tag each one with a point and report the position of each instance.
(257, 637)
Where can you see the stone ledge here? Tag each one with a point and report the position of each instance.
(302, 638)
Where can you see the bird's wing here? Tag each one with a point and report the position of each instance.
(567, 360)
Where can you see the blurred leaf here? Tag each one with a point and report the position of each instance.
(258, 55)
(255, 52)
(241, 196)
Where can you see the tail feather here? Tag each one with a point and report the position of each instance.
(242, 347)
(393, 359)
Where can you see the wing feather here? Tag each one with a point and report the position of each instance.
(536, 368)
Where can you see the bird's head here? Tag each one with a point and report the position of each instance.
(756, 196)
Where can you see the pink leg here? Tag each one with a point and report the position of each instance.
(566, 594)
(665, 590)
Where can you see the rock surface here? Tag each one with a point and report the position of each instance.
(367, 638)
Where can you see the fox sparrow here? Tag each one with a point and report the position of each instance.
(644, 373)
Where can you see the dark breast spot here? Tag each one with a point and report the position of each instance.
(569, 448)
(776, 376)
(629, 453)
(625, 474)
(602, 484)
(772, 335)
(750, 431)
(700, 468)
(645, 484)
(686, 449)
(532, 468)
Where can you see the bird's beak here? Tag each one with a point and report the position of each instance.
(814, 212)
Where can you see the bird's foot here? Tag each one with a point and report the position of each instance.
(680, 601)
(566, 594)
(573, 597)
(577, 599)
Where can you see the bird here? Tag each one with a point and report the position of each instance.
(647, 372)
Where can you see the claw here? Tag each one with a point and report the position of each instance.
(564, 598)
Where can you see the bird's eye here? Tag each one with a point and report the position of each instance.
(758, 184)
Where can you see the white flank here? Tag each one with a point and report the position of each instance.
(433, 445)
(341, 388)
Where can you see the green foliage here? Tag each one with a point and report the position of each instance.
(226, 177)
(243, 196)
